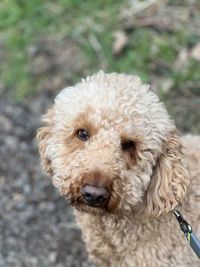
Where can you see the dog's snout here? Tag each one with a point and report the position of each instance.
(94, 195)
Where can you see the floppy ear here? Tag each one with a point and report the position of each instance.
(43, 135)
(169, 180)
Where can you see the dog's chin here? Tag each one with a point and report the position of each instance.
(93, 210)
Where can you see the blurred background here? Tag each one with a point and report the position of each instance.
(48, 45)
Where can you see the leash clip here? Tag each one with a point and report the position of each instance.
(184, 225)
(188, 232)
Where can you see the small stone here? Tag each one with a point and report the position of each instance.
(5, 124)
(120, 41)
(53, 256)
(195, 52)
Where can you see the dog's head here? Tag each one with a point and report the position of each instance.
(110, 147)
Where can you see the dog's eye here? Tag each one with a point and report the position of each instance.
(83, 134)
(127, 145)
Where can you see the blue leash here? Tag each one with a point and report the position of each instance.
(188, 232)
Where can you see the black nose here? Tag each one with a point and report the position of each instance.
(94, 195)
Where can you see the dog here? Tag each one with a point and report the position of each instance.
(112, 150)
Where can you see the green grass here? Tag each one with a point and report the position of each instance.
(20, 23)
(23, 23)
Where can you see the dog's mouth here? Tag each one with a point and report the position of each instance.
(109, 206)
(91, 209)
(95, 210)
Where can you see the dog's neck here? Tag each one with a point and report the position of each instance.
(121, 222)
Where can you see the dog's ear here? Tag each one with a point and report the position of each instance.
(43, 135)
(169, 180)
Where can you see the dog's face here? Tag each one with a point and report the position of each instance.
(110, 147)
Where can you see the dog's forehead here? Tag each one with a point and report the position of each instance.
(115, 98)
(112, 93)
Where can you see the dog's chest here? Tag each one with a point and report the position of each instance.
(127, 244)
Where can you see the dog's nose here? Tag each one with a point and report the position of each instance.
(94, 195)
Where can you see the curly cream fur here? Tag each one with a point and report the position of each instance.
(136, 227)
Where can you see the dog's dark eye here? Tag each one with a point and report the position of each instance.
(127, 145)
(83, 134)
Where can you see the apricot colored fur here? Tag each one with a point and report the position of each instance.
(161, 171)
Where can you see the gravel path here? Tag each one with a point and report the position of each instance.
(37, 227)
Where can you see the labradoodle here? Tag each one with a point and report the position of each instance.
(111, 149)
